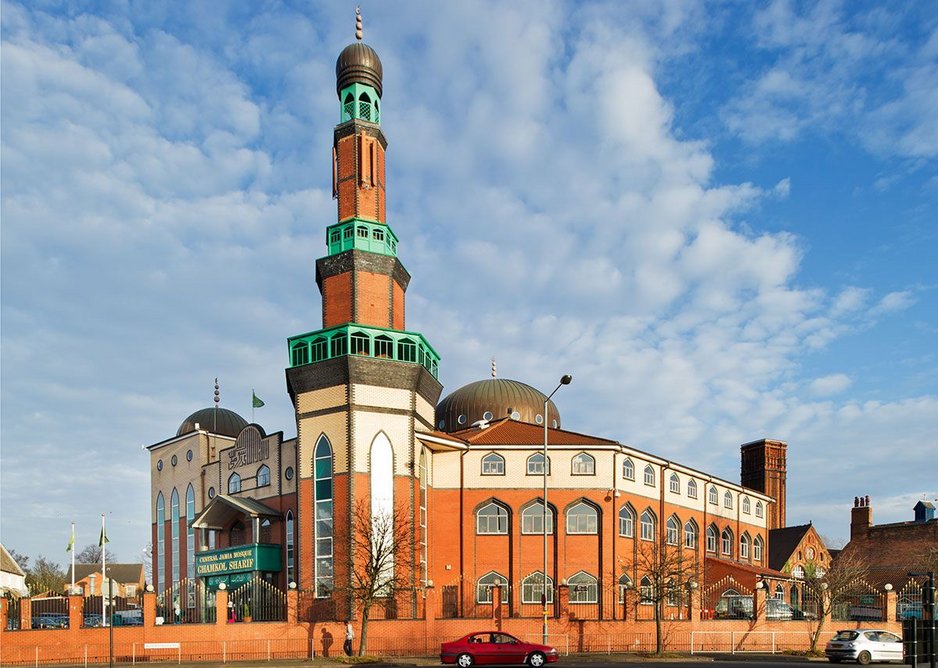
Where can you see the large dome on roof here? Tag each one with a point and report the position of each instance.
(216, 420)
(358, 63)
(493, 399)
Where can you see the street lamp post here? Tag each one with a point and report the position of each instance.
(565, 380)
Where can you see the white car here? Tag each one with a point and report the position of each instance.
(864, 646)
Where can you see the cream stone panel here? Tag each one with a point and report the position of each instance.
(334, 426)
(426, 410)
(317, 400)
(446, 470)
(178, 476)
(396, 427)
(288, 456)
(386, 397)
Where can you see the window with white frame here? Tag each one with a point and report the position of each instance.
(711, 538)
(628, 469)
(713, 497)
(625, 583)
(234, 483)
(692, 489)
(491, 519)
(536, 464)
(757, 549)
(582, 518)
(487, 583)
(583, 588)
(650, 475)
(690, 534)
(493, 464)
(746, 505)
(263, 476)
(646, 591)
(532, 519)
(532, 588)
(583, 464)
(675, 484)
(626, 522)
(648, 525)
(726, 541)
(727, 499)
(673, 531)
(759, 511)
(744, 546)
(779, 592)
(798, 572)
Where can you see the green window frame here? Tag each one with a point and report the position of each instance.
(300, 353)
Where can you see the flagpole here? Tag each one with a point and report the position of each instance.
(253, 397)
(72, 545)
(103, 571)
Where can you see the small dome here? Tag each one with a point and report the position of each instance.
(358, 63)
(216, 420)
(493, 399)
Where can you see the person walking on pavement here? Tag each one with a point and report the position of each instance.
(349, 636)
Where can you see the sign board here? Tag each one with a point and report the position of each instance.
(161, 645)
(240, 559)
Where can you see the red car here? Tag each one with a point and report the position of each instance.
(495, 647)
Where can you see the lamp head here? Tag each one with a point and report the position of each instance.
(566, 379)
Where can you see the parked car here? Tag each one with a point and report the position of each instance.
(495, 647)
(50, 621)
(864, 646)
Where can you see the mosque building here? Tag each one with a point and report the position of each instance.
(465, 477)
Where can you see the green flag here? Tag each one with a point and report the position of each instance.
(103, 539)
(71, 544)
(256, 401)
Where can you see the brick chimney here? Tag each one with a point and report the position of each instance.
(861, 517)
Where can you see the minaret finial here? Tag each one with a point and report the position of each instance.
(358, 23)
(217, 394)
(494, 375)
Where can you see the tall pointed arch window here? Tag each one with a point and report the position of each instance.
(628, 469)
(263, 476)
(492, 519)
(648, 525)
(757, 549)
(711, 538)
(532, 518)
(646, 590)
(174, 532)
(424, 482)
(582, 518)
(583, 588)
(536, 464)
(532, 588)
(291, 568)
(234, 483)
(747, 506)
(158, 572)
(649, 475)
(690, 535)
(487, 583)
(744, 543)
(675, 484)
(190, 534)
(713, 497)
(692, 489)
(626, 522)
(673, 531)
(583, 464)
(726, 542)
(727, 499)
(759, 511)
(625, 583)
(493, 464)
(322, 471)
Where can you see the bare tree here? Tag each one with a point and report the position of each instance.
(828, 589)
(45, 576)
(91, 554)
(664, 575)
(379, 568)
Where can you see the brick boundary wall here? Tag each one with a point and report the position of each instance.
(224, 641)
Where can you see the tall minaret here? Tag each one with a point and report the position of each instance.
(362, 385)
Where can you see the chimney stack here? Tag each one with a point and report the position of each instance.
(861, 517)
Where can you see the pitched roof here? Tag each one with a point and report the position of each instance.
(8, 563)
(512, 432)
(748, 568)
(782, 543)
(122, 573)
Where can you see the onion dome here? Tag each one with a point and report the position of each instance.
(216, 420)
(493, 399)
(358, 63)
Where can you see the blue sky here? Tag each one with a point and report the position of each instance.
(719, 217)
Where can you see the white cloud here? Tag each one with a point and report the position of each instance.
(830, 385)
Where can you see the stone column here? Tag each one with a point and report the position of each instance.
(890, 605)
(221, 606)
(26, 613)
(76, 611)
(293, 602)
(758, 602)
(149, 608)
(694, 596)
(563, 598)
(4, 609)
(497, 611)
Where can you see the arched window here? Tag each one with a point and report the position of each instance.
(673, 531)
(646, 591)
(757, 549)
(265, 532)
(690, 534)
(628, 469)
(625, 583)
(583, 588)
(779, 592)
(744, 543)
(160, 542)
(174, 530)
(300, 353)
(650, 475)
(711, 538)
(322, 485)
(712, 496)
(491, 519)
(626, 522)
(746, 505)
(489, 581)
(384, 346)
(726, 541)
(536, 464)
(675, 484)
(648, 525)
(263, 476)
(364, 107)
(348, 107)
(583, 464)
(532, 588)
(190, 534)
(582, 518)
(493, 464)
(798, 572)
(692, 488)
(361, 342)
(727, 499)
(236, 534)
(234, 483)
(291, 576)
(532, 519)
(794, 602)
(759, 511)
